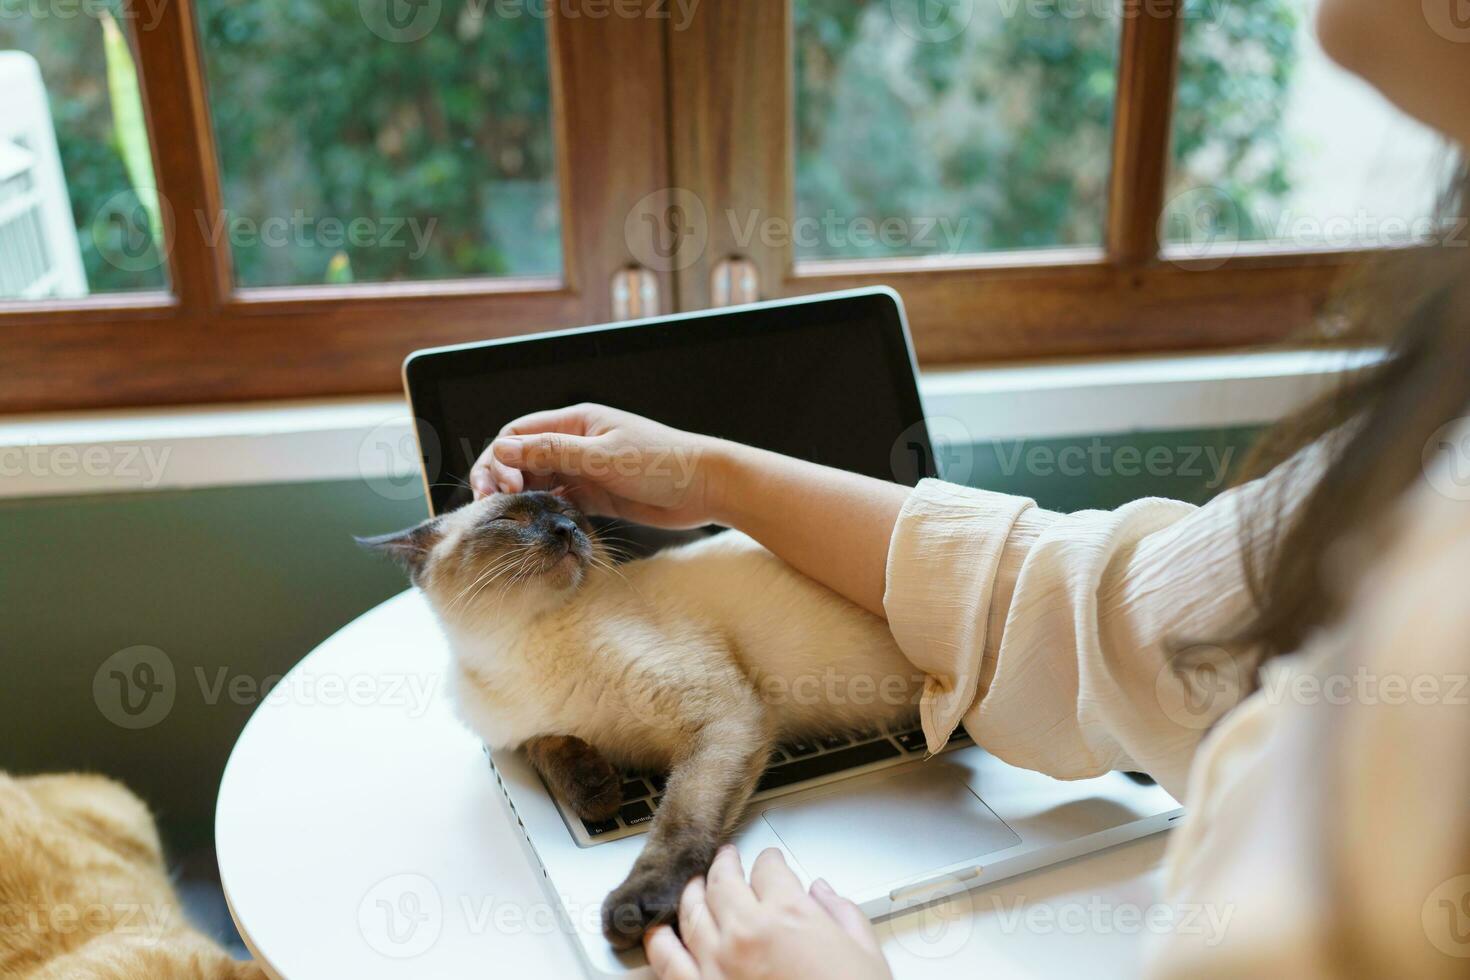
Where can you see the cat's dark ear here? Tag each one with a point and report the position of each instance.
(409, 547)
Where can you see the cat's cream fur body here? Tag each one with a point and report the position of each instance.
(635, 655)
(696, 661)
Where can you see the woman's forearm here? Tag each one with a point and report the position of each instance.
(832, 525)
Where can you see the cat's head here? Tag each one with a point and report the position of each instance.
(525, 545)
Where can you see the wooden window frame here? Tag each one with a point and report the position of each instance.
(209, 340)
(1125, 297)
(708, 109)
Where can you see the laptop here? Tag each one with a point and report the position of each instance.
(829, 378)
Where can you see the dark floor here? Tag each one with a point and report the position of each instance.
(196, 878)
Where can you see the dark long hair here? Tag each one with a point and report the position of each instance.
(1417, 303)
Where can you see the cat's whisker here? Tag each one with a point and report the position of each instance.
(483, 579)
(508, 568)
(601, 562)
(495, 566)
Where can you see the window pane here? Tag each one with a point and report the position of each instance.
(930, 128)
(1274, 143)
(382, 140)
(79, 212)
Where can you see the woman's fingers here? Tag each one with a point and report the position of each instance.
(847, 915)
(489, 475)
(549, 459)
(571, 421)
(697, 923)
(726, 891)
(772, 880)
(668, 957)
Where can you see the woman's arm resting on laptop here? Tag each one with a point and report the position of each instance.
(833, 525)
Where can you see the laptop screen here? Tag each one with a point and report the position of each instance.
(830, 381)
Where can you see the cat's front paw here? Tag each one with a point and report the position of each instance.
(596, 788)
(578, 774)
(649, 897)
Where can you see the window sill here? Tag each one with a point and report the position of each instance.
(371, 438)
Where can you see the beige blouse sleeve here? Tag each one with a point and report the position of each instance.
(1327, 828)
(1330, 815)
(1049, 636)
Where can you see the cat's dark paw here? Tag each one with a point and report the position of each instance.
(649, 897)
(597, 789)
(578, 774)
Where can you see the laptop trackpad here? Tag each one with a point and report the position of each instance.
(881, 831)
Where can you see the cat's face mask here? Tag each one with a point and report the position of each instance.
(496, 545)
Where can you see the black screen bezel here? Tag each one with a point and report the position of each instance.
(426, 370)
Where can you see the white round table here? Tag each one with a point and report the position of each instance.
(360, 834)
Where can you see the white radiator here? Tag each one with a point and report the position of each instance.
(39, 255)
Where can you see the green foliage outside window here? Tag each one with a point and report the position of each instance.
(1008, 124)
(1004, 129)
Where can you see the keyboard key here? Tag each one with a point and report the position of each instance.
(659, 781)
(657, 802)
(634, 789)
(596, 828)
(777, 757)
(636, 812)
(800, 749)
(834, 741)
(803, 769)
(911, 741)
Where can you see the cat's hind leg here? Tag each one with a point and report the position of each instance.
(578, 775)
(709, 786)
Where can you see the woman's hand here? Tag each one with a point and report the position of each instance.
(829, 524)
(768, 929)
(610, 462)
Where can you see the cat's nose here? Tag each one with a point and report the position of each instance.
(563, 528)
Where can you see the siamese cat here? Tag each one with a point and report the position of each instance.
(696, 661)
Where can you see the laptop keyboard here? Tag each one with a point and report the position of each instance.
(791, 764)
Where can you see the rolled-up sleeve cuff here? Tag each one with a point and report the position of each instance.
(941, 574)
